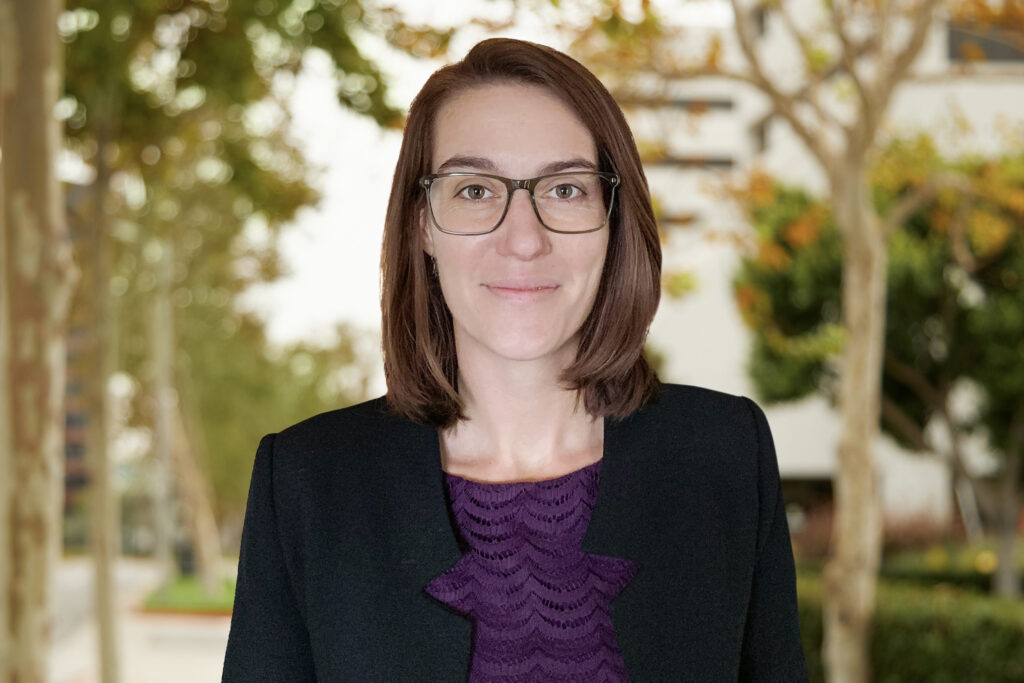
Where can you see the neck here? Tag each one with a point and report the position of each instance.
(521, 423)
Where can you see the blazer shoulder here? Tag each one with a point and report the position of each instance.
(731, 437)
(364, 415)
(693, 393)
(368, 427)
(733, 425)
(711, 406)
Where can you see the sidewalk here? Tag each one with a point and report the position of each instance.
(153, 648)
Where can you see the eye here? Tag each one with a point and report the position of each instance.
(474, 192)
(566, 191)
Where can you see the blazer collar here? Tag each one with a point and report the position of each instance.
(612, 519)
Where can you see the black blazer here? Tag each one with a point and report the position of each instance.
(348, 519)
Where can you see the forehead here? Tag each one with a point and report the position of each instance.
(517, 127)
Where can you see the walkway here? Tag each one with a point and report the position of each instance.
(153, 648)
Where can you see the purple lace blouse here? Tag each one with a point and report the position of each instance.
(539, 604)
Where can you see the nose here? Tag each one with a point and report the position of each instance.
(521, 234)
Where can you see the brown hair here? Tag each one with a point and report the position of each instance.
(610, 372)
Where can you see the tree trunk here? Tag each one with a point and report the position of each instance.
(963, 483)
(1007, 579)
(851, 573)
(38, 277)
(6, 442)
(101, 355)
(198, 508)
(967, 503)
(162, 350)
(103, 531)
(176, 449)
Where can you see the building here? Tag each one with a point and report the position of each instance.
(702, 336)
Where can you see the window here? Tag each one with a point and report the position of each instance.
(981, 43)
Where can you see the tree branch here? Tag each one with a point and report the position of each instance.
(896, 71)
(787, 20)
(902, 424)
(888, 21)
(848, 56)
(910, 377)
(782, 102)
(912, 202)
(704, 71)
(958, 238)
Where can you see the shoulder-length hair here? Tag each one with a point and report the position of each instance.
(610, 373)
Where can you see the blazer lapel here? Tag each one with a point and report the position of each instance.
(433, 538)
(428, 531)
(615, 514)
(429, 541)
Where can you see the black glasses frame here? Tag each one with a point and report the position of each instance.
(528, 184)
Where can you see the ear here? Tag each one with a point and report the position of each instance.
(426, 234)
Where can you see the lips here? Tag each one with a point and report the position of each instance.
(521, 290)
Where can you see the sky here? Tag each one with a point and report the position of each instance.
(333, 250)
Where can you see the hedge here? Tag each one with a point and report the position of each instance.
(939, 634)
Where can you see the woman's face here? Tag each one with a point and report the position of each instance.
(520, 292)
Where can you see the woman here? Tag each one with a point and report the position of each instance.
(527, 502)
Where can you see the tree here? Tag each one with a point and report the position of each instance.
(954, 281)
(847, 59)
(995, 264)
(159, 103)
(36, 280)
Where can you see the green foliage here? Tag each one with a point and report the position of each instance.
(137, 66)
(679, 283)
(780, 376)
(176, 106)
(999, 320)
(789, 294)
(955, 308)
(927, 634)
(238, 390)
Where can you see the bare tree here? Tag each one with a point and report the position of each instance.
(865, 50)
(37, 276)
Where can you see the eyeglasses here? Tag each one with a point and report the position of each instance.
(476, 203)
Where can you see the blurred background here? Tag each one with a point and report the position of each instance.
(193, 195)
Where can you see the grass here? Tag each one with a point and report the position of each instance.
(186, 595)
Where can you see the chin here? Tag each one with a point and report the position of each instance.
(524, 347)
(519, 340)
(524, 352)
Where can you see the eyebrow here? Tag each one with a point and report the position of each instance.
(488, 166)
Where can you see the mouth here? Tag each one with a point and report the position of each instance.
(521, 290)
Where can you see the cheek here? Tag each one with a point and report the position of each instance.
(457, 269)
(594, 263)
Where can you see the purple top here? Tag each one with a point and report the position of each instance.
(538, 602)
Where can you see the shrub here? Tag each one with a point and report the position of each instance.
(970, 567)
(919, 532)
(938, 635)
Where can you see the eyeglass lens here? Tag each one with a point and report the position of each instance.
(569, 202)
